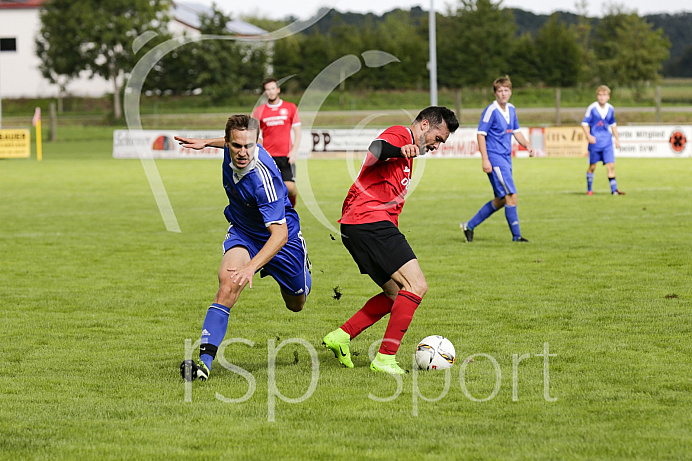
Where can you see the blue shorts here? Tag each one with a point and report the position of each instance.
(605, 155)
(502, 181)
(290, 267)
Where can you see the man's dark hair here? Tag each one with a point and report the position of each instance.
(241, 122)
(436, 114)
(269, 80)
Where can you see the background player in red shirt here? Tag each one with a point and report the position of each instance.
(277, 119)
(369, 230)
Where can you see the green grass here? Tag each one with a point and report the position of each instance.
(97, 299)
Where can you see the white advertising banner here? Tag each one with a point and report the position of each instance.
(159, 144)
(654, 141)
(337, 140)
(461, 144)
(635, 141)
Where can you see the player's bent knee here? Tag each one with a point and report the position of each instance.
(295, 306)
(294, 303)
(420, 288)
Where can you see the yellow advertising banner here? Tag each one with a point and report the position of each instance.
(565, 142)
(15, 143)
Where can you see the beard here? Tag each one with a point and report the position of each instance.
(422, 144)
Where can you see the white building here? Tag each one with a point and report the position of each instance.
(20, 24)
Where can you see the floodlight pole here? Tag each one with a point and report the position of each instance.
(432, 64)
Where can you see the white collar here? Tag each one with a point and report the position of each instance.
(505, 112)
(278, 104)
(239, 173)
(602, 111)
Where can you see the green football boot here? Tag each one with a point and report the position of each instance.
(386, 364)
(338, 341)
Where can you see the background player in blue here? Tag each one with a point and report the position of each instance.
(497, 126)
(599, 117)
(264, 234)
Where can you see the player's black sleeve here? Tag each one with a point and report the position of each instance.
(382, 150)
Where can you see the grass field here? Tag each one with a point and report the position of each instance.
(97, 300)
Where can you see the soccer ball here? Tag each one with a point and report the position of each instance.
(435, 353)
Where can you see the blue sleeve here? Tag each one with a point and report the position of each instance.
(482, 125)
(515, 126)
(587, 117)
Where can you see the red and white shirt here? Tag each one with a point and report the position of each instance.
(379, 191)
(276, 122)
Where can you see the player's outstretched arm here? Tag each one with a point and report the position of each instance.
(200, 143)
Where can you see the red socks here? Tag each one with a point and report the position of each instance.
(377, 307)
(402, 312)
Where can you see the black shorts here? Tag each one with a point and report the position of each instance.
(378, 248)
(288, 170)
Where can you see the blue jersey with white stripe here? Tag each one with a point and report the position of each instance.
(498, 126)
(258, 197)
(600, 119)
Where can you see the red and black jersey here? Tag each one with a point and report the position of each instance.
(379, 191)
(276, 122)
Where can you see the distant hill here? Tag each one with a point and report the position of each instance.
(678, 29)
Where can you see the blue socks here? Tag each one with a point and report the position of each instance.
(488, 209)
(483, 214)
(589, 183)
(513, 221)
(613, 185)
(213, 332)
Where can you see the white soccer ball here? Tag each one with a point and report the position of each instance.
(435, 353)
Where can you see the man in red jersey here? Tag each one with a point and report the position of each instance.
(369, 229)
(277, 118)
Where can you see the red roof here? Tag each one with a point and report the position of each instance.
(20, 4)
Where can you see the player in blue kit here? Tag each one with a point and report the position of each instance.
(263, 234)
(599, 119)
(495, 130)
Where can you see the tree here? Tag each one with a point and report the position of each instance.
(96, 36)
(218, 67)
(583, 30)
(560, 56)
(628, 51)
(476, 43)
(287, 59)
(57, 66)
(682, 65)
(525, 62)
(402, 35)
(226, 67)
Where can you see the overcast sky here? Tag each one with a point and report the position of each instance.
(279, 9)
